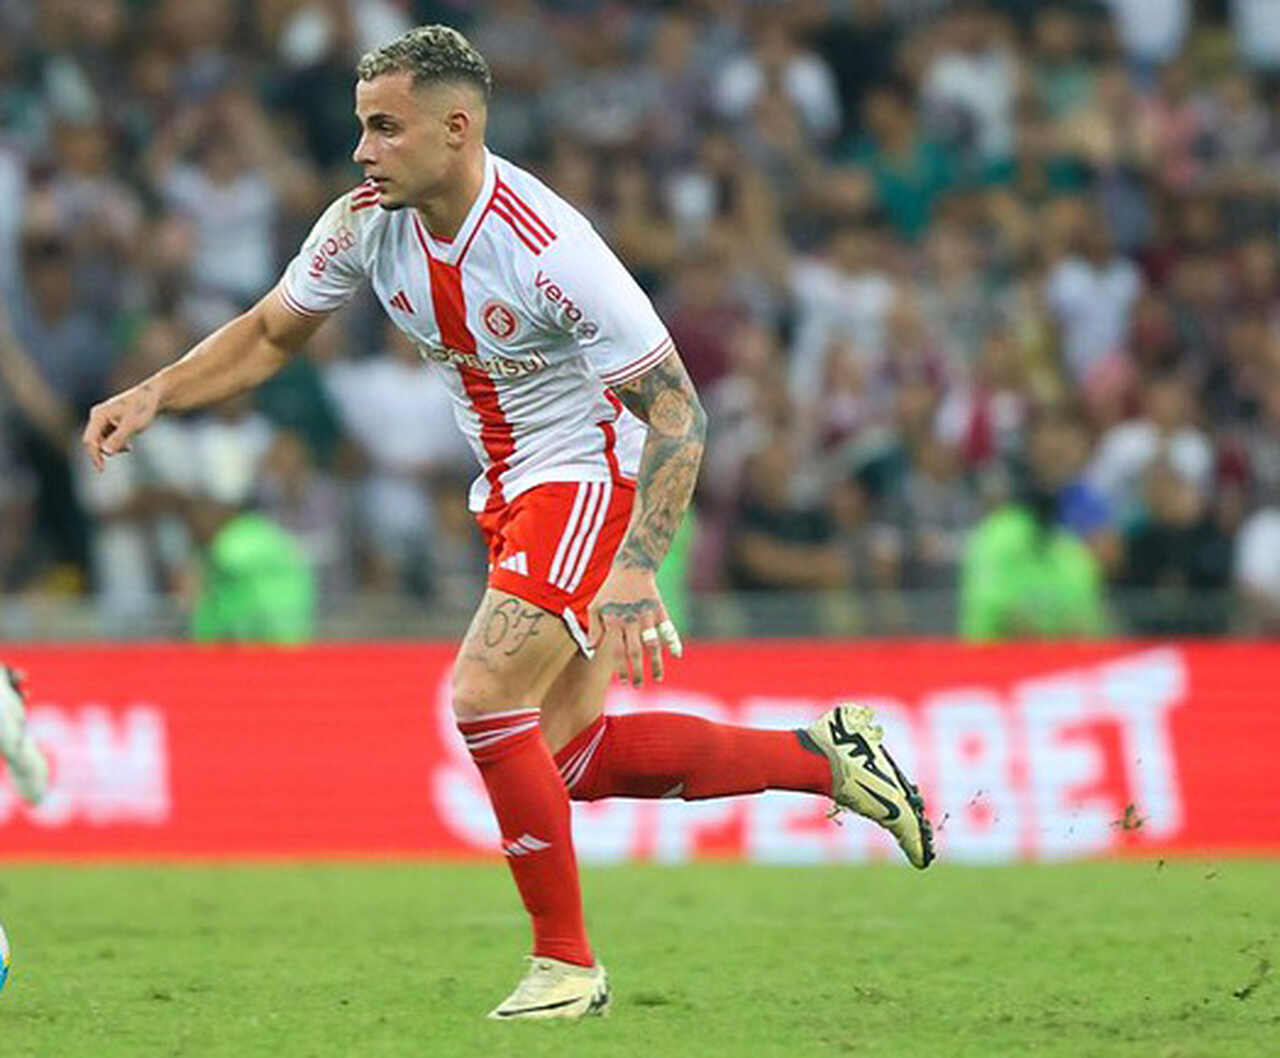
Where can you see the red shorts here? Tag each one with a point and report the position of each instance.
(553, 545)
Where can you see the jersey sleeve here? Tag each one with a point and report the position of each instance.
(582, 289)
(328, 268)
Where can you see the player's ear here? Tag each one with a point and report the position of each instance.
(457, 125)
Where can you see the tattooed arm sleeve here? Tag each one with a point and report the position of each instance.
(664, 398)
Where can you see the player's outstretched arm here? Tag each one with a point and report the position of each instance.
(627, 608)
(237, 356)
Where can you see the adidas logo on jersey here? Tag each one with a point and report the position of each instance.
(517, 563)
(401, 302)
(525, 844)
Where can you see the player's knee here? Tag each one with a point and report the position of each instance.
(470, 697)
(477, 692)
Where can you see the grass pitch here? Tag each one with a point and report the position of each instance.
(1141, 958)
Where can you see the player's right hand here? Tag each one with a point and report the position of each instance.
(113, 422)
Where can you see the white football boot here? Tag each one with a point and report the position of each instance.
(27, 766)
(865, 779)
(555, 989)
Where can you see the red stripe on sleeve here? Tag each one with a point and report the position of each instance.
(520, 230)
(540, 227)
(516, 217)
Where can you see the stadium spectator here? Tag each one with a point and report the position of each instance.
(679, 92)
(937, 507)
(776, 59)
(957, 304)
(1115, 140)
(1260, 438)
(1257, 34)
(393, 410)
(1166, 429)
(860, 44)
(1179, 553)
(971, 83)
(137, 546)
(1023, 574)
(1237, 132)
(982, 418)
(1257, 571)
(1152, 32)
(1091, 295)
(458, 558)
(845, 293)
(783, 539)
(1179, 127)
(643, 235)
(599, 93)
(702, 312)
(1062, 78)
(1082, 508)
(523, 52)
(308, 504)
(254, 584)
(911, 170)
(221, 166)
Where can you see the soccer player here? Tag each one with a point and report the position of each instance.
(28, 769)
(589, 434)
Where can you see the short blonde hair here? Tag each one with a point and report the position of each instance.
(435, 54)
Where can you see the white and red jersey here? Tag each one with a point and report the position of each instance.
(526, 312)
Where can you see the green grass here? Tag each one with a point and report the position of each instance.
(370, 961)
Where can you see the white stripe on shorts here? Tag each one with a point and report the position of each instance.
(591, 510)
(570, 526)
(581, 569)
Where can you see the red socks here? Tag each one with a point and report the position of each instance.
(642, 755)
(675, 755)
(532, 808)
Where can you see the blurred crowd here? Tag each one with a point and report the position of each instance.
(982, 298)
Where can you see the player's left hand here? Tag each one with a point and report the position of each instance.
(628, 619)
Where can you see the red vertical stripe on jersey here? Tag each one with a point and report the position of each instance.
(451, 317)
(611, 438)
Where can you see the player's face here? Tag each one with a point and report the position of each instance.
(410, 138)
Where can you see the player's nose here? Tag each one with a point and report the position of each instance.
(362, 155)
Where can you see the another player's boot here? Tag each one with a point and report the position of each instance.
(27, 765)
(865, 779)
(555, 989)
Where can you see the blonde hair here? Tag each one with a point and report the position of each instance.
(433, 55)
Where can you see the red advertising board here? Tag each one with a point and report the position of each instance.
(1024, 752)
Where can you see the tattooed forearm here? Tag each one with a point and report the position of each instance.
(664, 398)
(629, 611)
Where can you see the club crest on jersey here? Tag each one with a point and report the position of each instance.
(500, 320)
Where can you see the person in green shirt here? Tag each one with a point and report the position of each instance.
(911, 171)
(1023, 574)
(256, 584)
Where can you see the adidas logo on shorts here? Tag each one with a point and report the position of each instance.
(517, 563)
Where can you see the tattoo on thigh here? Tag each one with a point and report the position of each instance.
(511, 625)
